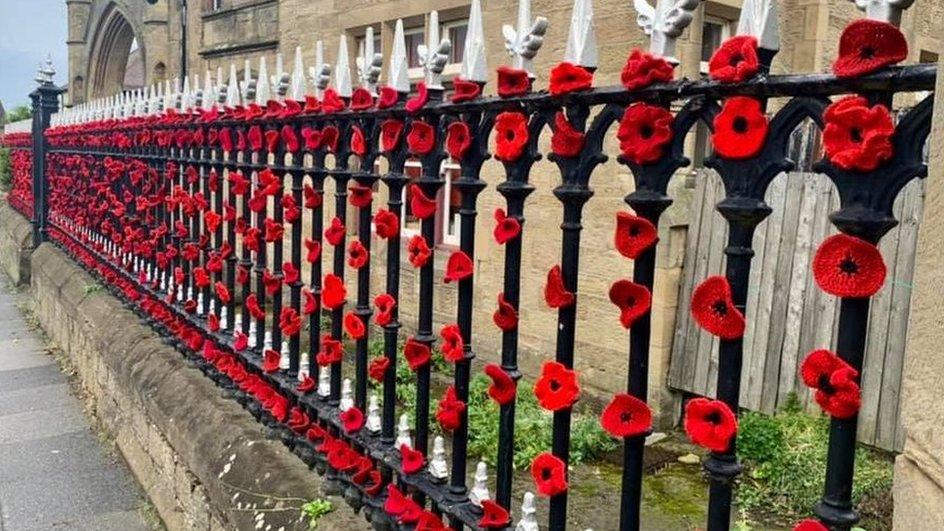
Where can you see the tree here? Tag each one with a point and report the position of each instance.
(20, 112)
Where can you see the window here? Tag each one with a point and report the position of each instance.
(448, 201)
(414, 37)
(212, 5)
(714, 31)
(359, 42)
(456, 32)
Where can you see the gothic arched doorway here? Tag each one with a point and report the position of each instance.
(114, 44)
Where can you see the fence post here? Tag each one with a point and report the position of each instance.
(45, 103)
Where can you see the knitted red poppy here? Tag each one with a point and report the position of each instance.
(272, 139)
(555, 292)
(846, 266)
(512, 82)
(417, 354)
(710, 424)
(643, 69)
(200, 277)
(333, 292)
(418, 251)
(331, 351)
(388, 97)
(626, 416)
(810, 525)
(506, 316)
(386, 224)
(634, 235)
(390, 131)
(270, 361)
(396, 503)
(252, 304)
(503, 388)
(358, 144)
(452, 346)
(835, 382)
(255, 137)
(506, 229)
(290, 322)
(740, 128)
(644, 131)
(868, 45)
(633, 301)
(331, 101)
(291, 212)
(856, 136)
(494, 516)
(458, 140)
(450, 409)
(557, 387)
(419, 101)
(290, 138)
(458, 267)
(290, 273)
(378, 368)
(313, 138)
(329, 137)
(511, 136)
(357, 255)
(411, 461)
(213, 323)
(465, 90)
(714, 310)
(354, 326)
(385, 304)
(273, 283)
(566, 141)
(310, 302)
(735, 60)
(313, 199)
(360, 196)
(352, 419)
(334, 234)
(273, 230)
(420, 139)
(568, 77)
(429, 522)
(361, 99)
(549, 473)
(240, 341)
(313, 248)
(306, 386)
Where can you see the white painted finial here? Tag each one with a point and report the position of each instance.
(432, 59)
(368, 63)
(373, 423)
(232, 87)
(582, 39)
(208, 95)
(342, 72)
(403, 432)
(524, 42)
(884, 10)
(479, 491)
(186, 100)
(528, 520)
(438, 468)
(299, 86)
(324, 382)
(347, 395)
(399, 77)
(245, 83)
(474, 67)
(664, 24)
(263, 94)
(277, 78)
(759, 19)
(320, 73)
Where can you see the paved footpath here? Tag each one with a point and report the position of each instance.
(55, 473)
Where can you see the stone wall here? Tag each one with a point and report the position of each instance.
(16, 242)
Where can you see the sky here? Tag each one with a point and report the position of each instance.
(30, 29)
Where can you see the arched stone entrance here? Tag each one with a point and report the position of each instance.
(108, 57)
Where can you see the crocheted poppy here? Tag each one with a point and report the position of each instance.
(273, 230)
(740, 128)
(506, 316)
(458, 267)
(240, 341)
(360, 196)
(352, 419)
(868, 45)
(418, 101)
(386, 224)
(417, 354)
(503, 388)
(633, 300)
(361, 99)
(450, 409)
(418, 251)
(313, 138)
(555, 292)
(396, 503)
(549, 473)
(846, 266)
(713, 309)
(465, 90)
(452, 346)
(835, 382)
(331, 101)
(200, 277)
(429, 522)
(421, 206)
(566, 141)
(643, 69)
(255, 137)
(354, 326)
(626, 416)
(252, 305)
(735, 60)
(390, 132)
(710, 424)
(377, 368)
(810, 525)
(458, 140)
(856, 136)
(290, 322)
(411, 461)
(512, 82)
(388, 97)
(634, 235)
(357, 255)
(557, 387)
(568, 77)
(213, 323)
(333, 293)
(507, 228)
(310, 302)
(644, 131)
(290, 138)
(329, 137)
(270, 361)
(306, 386)
(273, 283)
(334, 234)
(313, 250)
(290, 273)
(331, 351)
(385, 304)
(511, 136)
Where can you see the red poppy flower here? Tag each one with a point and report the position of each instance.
(331, 351)
(450, 409)
(503, 388)
(465, 90)
(626, 416)
(388, 97)
(252, 304)
(417, 354)
(334, 293)
(411, 461)
(506, 316)
(511, 136)
(313, 248)
(357, 255)
(213, 324)
(352, 419)
(735, 60)
(273, 283)
(740, 128)
(549, 473)
(360, 196)
(714, 310)
(385, 304)
(634, 235)
(420, 139)
(643, 69)
(313, 138)
(311, 303)
(452, 346)
(429, 522)
(240, 341)
(557, 387)
(568, 77)
(329, 136)
(494, 516)
(846, 266)
(458, 267)
(270, 361)
(331, 101)
(222, 293)
(710, 424)
(334, 234)
(418, 251)
(306, 386)
(290, 138)
(421, 205)
(354, 326)
(290, 322)
(458, 139)
(512, 82)
(378, 368)
(555, 292)
(856, 136)
(396, 503)
(868, 45)
(810, 525)
(633, 300)
(386, 224)
(835, 381)
(644, 132)
(313, 199)
(419, 101)
(566, 141)
(255, 137)
(272, 140)
(361, 99)
(507, 228)
(390, 131)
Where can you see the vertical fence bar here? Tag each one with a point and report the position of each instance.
(341, 176)
(45, 102)
(294, 347)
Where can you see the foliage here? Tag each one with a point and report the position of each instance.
(18, 113)
(6, 175)
(315, 510)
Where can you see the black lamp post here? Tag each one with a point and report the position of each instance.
(183, 35)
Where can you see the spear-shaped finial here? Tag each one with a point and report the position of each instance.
(664, 24)
(247, 78)
(473, 56)
(299, 87)
(208, 95)
(263, 94)
(368, 63)
(185, 95)
(884, 10)
(432, 59)
(232, 87)
(320, 73)
(582, 38)
(342, 75)
(45, 72)
(398, 76)
(528, 521)
(524, 42)
(759, 19)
